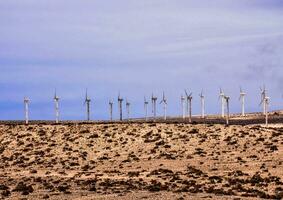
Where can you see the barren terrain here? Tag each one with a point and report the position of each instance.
(141, 161)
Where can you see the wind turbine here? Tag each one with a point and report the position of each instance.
(263, 95)
(183, 106)
(26, 102)
(189, 98)
(222, 95)
(87, 103)
(128, 108)
(56, 101)
(164, 101)
(265, 103)
(242, 99)
(111, 109)
(153, 102)
(202, 98)
(120, 101)
(145, 102)
(227, 98)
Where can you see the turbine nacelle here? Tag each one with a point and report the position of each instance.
(145, 101)
(120, 98)
(127, 103)
(87, 99)
(153, 98)
(56, 98)
(189, 96)
(26, 100)
(265, 100)
(263, 91)
(164, 100)
(227, 98)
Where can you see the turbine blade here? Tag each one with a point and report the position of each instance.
(186, 93)
(55, 94)
(86, 97)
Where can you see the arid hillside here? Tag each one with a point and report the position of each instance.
(141, 161)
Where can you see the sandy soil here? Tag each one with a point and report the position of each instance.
(141, 161)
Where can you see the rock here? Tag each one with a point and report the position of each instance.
(3, 187)
(5, 193)
(23, 188)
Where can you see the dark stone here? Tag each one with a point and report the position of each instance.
(5, 193)
(25, 189)
(3, 187)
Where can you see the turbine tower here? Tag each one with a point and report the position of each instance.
(26, 102)
(265, 103)
(263, 95)
(153, 102)
(227, 98)
(242, 99)
(120, 101)
(189, 98)
(56, 101)
(145, 102)
(87, 103)
(111, 109)
(164, 101)
(221, 96)
(202, 98)
(183, 106)
(128, 108)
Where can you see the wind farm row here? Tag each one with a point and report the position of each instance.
(185, 100)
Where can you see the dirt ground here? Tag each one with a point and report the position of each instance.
(141, 161)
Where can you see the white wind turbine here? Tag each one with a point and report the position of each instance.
(183, 106)
(202, 99)
(120, 101)
(111, 109)
(26, 103)
(221, 96)
(265, 103)
(227, 98)
(56, 102)
(87, 103)
(145, 102)
(164, 101)
(242, 99)
(189, 98)
(263, 95)
(128, 109)
(153, 103)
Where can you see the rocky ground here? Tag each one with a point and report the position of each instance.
(141, 161)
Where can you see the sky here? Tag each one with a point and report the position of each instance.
(137, 48)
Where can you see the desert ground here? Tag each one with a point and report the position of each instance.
(153, 160)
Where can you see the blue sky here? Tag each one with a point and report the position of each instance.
(137, 47)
